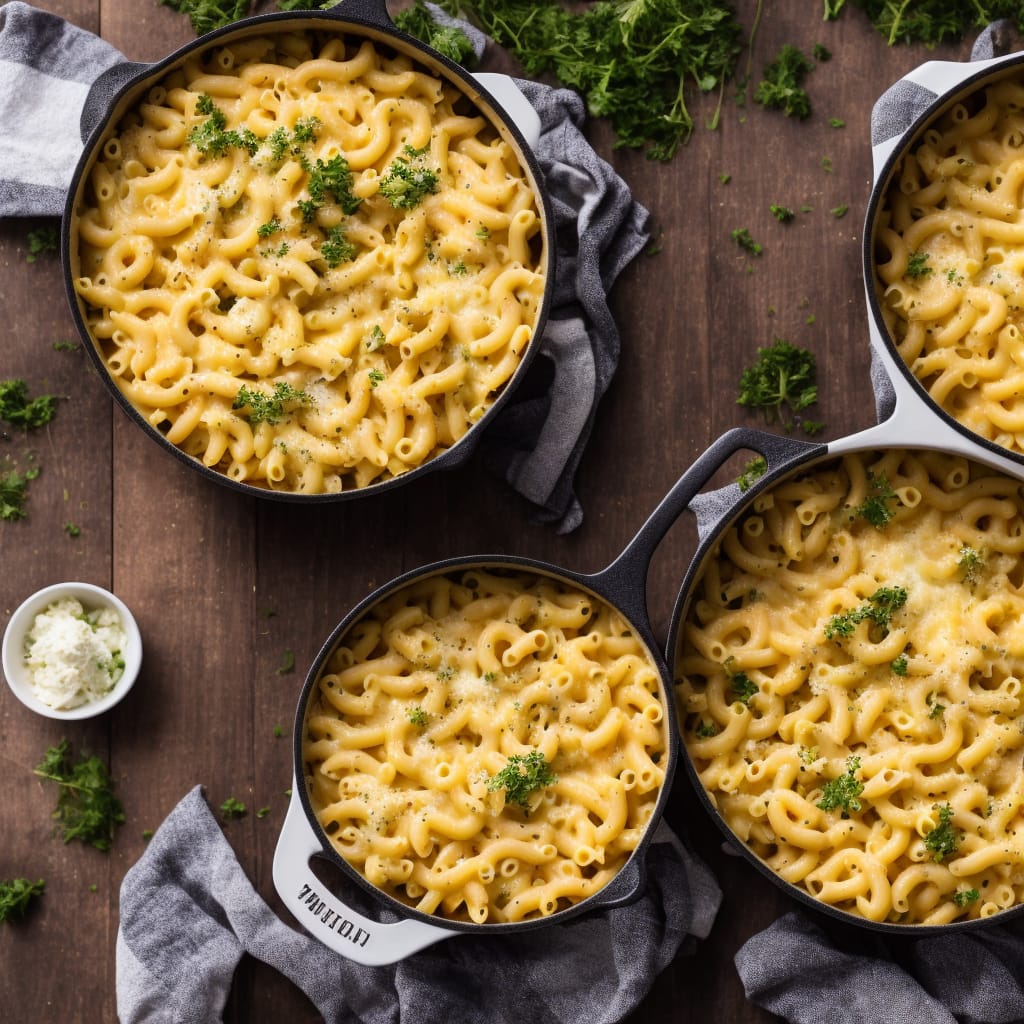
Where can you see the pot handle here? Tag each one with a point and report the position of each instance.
(935, 77)
(102, 93)
(326, 917)
(627, 575)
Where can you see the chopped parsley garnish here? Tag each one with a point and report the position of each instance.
(521, 777)
(705, 730)
(942, 841)
(783, 214)
(808, 754)
(407, 183)
(87, 809)
(917, 265)
(15, 896)
(376, 339)
(964, 896)
(935, 709)
(271, 227)
(752, 471)
(782, 383)
(417, 716)
(376, 377)
(899, 665)
(879, 609)
(875, 508)
(72, 529)
(213, 138)
(970, 563)
(333, 178)
(336, 248)
(742, 687)
(843, 793)
(264, 408)
(232, 808)
(782, 86)
(305, 129)
(21, 411)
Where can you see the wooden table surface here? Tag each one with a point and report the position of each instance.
(223, 585)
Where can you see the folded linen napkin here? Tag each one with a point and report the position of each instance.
(814, 971)
(538, 439)
(188, 914)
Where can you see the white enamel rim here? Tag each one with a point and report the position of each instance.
(91, 597)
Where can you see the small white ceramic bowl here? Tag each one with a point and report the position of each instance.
(91, 598)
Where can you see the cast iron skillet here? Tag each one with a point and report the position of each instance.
(119, 88)
(622, 585)
(938, 86)
(912, 426)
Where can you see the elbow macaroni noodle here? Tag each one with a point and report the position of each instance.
(383, 332)
(950, 262)
(427, 698)
(914, 715)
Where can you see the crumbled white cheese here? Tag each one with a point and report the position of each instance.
(74, 656)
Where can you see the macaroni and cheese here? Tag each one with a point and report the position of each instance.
(849, 685)
(949, 246)
(487, 746)
(309, 263)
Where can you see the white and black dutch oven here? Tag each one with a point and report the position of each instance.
(912, 422)
(495, 96)
(622, 587)
(919, 100)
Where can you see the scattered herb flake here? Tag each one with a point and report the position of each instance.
(232, 808)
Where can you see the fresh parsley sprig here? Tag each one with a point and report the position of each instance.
(264, 408)
(523, 775)
(843, 792)
(879, 608)
(943, 840)
(87, 808)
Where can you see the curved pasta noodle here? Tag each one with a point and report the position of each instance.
(214, 237)
(432, 695)
(882, 776)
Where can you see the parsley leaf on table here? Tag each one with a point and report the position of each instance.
(15, 896)
(87, 809)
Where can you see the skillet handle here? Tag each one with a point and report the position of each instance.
(102, 93)
(326, 917)
(627, 575)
